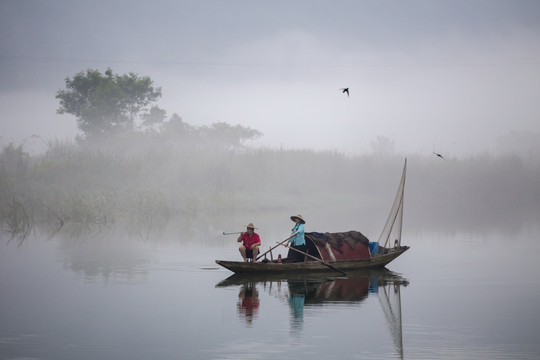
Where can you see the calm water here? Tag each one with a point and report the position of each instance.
(459, 296)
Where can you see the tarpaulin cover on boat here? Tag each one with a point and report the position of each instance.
(350, 245)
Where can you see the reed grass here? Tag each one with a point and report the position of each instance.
(160, 186)
(17, 222)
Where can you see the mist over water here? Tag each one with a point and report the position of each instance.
(111, 251)
(108, 244)
(117, 296)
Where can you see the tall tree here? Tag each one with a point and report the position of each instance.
(107, 103)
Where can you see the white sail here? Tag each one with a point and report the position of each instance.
(393, 225)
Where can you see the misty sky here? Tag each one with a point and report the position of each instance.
(433, 75)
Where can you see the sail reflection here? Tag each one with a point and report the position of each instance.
(302, 291)
(390, 299)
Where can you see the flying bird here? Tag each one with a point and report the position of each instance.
(439, 155)
(345, 90)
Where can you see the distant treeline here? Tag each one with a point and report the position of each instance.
(148, 183)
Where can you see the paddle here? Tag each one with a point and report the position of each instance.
(272, 248)
(316, 258)
(232, 233)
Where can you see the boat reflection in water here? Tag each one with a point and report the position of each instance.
(305, 290)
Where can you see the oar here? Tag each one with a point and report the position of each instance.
(316, 258)
(272, 248)
(232, 233)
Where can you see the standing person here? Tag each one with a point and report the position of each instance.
(250, 243)
(297, 240)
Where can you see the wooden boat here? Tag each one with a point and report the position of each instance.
(340, 252)
(377, 261)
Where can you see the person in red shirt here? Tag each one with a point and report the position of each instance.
(250, 243)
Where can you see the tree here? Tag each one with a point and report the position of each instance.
(177, 129)
(384, 146)
(108, 103)
(218, 135)
(154, 116)
(223, 135)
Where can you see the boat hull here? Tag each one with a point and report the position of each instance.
(379, 261)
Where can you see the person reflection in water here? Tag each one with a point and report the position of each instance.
(250, 243)
(248, 301)
(296, 300)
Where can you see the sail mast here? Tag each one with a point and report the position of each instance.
(396, 213)
(402, 187)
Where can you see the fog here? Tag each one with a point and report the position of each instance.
(120, 231)
(451, 77)
(458, 78)
(150, 187)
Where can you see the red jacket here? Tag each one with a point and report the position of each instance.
(249, 241)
